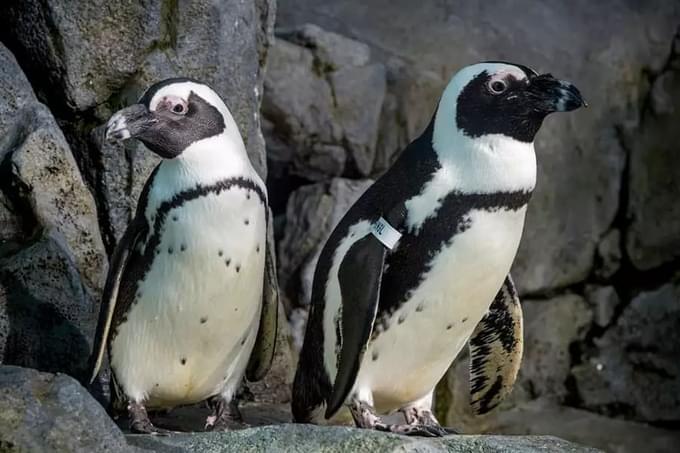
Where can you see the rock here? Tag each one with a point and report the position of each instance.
(616, 436)
(330, 48)
(81, 52)
(604, 301)
(580, 156)
(609, 255)
(550, 327)
(359, 93)
(45, 179)
(41, 184)
(312, 213)
(10, 222)
(635, 365)
(15, 92)
(48, 412)
(319, 162)
(322, 90)
(296, 99)
(304, 438)
(652, 238)
(47, 316)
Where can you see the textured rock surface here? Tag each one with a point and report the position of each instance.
(604, 302)
(39, 176)
(653, 210)
(304, 438)
(611, 435)
(47, 316)
(89, 47)
(44, 176)
(324, 97)
(551, 326)
(636, 364)
(47, 412)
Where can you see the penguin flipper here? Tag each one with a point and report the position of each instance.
(119, 262)
(263, 352)
(360, 292)
(496, 350)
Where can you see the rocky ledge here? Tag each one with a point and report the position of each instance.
(331, 439)
(52, 412)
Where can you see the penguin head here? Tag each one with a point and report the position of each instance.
(499, 98)
(172, 115)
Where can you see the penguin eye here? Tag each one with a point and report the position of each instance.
(497, 86)
(179, 109)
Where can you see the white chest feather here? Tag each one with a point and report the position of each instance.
(190, 331)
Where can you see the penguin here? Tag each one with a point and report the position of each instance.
(189, 305)
(419, 265)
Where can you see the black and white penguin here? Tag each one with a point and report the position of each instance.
(186, 311)
(419, 266)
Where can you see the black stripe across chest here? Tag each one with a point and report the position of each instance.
(142, 259)
(406, 266)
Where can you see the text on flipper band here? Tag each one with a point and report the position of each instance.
(385, 233)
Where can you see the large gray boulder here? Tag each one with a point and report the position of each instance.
(44, 179)
(47, 315)
(39, 177)
(335, 439)
(42, 412)
(636, 361)
(550, 327)
(81, 51)
(323, 96)
(584, 427)
(580, 156)
(654, 144)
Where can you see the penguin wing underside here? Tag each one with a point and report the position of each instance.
(263, 352)
(496, 350)
(119, 263)
(360, 291)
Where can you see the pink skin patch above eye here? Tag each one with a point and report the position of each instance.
(169, 103)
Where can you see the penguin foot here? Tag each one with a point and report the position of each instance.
(414, 430)
(418, 416)
(419, 422)
(140, 422)
(226, 415)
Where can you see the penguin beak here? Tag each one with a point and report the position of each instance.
(549, 95)
(129, 123)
